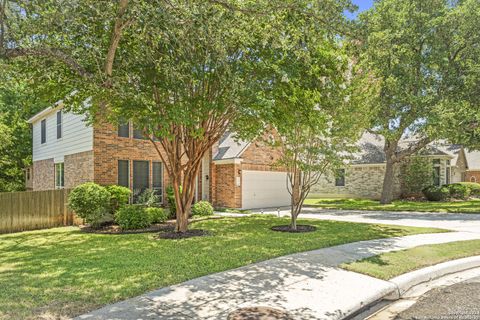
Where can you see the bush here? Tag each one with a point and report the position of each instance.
(157, 215)
(171, 201)
(473, 186)
(416, 174)
(202, 208)
(119, 197)
(90, 202)
(132, 216)
(435, 193)
(459, 191)
(148, 198)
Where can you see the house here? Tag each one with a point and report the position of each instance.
(67, 151)
(363, 176)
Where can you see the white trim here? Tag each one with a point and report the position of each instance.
(228, 161)
(45, 112)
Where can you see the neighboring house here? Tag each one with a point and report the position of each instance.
(67, 152)
(364, 174)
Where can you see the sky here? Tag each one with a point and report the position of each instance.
(362, 5)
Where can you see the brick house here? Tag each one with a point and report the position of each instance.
(67, 152)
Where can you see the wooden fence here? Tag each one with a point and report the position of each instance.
(20, 211)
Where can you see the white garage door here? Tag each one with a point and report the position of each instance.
(264, 189)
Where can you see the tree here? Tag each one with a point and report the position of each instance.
(417, 174)
(185, 71)
(424, 55)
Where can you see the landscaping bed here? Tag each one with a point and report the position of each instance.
(389, 265)
(460, 206)
(66, 272)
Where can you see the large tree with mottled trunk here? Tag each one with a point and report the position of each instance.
(423, 55)
(183, 71)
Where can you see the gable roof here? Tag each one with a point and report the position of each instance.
(229, 147)
(42, 114)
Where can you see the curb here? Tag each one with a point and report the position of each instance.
(406, 281)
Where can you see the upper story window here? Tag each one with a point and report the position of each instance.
(59, 124)
(59, 175)
(138, 133)
(43, 131)
(340, 178)
(124, 129)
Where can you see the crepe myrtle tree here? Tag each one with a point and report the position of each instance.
(183, 71)
(425, 57)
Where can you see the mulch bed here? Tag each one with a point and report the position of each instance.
(183, 235)
(115, 229)
(300, 228)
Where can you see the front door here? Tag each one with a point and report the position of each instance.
(206, 178)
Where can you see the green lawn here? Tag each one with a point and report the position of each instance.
(392, 264)
(470, 206)
(66, 272)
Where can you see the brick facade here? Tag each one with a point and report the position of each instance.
(44, 175)
(78, 169)
(472, 176)
(108, 148)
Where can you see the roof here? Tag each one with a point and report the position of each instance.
(46, 111)
(230, 147)
(473, 159)
(371, 149)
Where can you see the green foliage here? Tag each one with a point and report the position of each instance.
(133, 216)
(459, 191)
(202, 208)
(119, 197)
(157, 215)
(436, 193)
(416, 174)
(148, 198)
(172, 205)
(90, 201)
(473, 186)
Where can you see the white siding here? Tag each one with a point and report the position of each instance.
(76, 137)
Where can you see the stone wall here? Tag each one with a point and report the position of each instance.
(360, 182)
(78, 169)
(43, 175)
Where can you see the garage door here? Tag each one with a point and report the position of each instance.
(264, 189)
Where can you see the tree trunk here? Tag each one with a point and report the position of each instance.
(293, 223)
(388, 180)
(296, 181)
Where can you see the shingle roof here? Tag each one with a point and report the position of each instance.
(229, 147)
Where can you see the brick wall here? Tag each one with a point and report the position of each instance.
(78, 169)
(259, 155)
(108, 148)
(472, 176)
(43, 175)
(360, 181)
(227, 193)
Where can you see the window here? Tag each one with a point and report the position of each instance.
(436, 161)
(59, 177)
(340, 178)
(138, 133)
(59, 124)
(436, 176)
(157, 179)
(124, 129)
(141, 174)
(123, 173)
(473, 179)
(43, 131)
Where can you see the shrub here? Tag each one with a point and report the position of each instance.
(459, 191)
(416, 174)
(148, 198)
(90, 202)
(473, 186)
(435, 193)
(156, 215)
(119, 197)
(132, 216)
(202, 208)
(171, 201)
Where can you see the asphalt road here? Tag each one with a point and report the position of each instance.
(458, 302)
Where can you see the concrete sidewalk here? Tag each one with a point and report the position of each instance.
(308, 285)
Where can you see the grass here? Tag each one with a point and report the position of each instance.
(389, 265)
(467, 206)
(64, 272)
